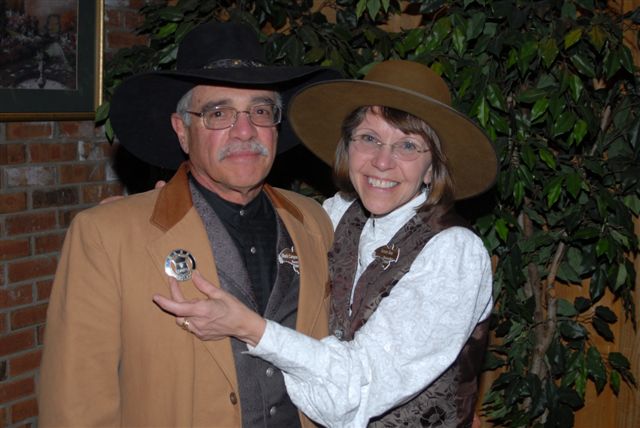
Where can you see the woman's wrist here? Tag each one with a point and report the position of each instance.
(255, 327)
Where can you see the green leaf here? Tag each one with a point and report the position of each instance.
(482, 112)
(574, 183)
(565, 308)
(458, 40)
(576, 260)
(602, 329)
(583, 65)
(572, 37)
(547, 157)
(528, 155)
(360, 7)
(531, 95)
(499, 123)
(171, 14)
(621, 277)
(512, 58)
(108, 130)
(602, 247)
(314, 55)
(495, 97)
(597, 37)
(571, 330)
(612, 63)
(569, 10)
(553, 190)
(619, 361)
(539, 108)
(548, 51)
(412, 39)
(373, 7)
(614, 381)
(502, 228)
(476, 25)
(597, 284)
(606, 314)
(582, 304)
(626, 59)
(576, 86)
(168, 55)
(166, 30)
(102, 112)
(633, 203)
(596, 368)
(563, 124)
(579, 131)
(620, 238)
(567, 273)
(518, 192)
(526, 54)
(586, 233)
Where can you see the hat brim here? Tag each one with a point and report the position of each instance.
(317, 112)
(142, 105)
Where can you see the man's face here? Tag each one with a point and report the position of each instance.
(231, 162)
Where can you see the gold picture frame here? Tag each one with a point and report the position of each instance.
(52, 59)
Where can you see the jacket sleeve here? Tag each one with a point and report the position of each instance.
(79, 370)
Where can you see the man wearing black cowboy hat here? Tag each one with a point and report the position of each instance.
(114, 358)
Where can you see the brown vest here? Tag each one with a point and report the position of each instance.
(449, 401)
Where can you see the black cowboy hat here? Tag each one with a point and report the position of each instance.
(224, 54)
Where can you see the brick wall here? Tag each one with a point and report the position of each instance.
(48, 172)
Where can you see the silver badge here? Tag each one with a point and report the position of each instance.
(180, 265)
(289, 256)
(387, 254)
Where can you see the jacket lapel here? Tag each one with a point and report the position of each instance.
(175, 215)
(311, 297)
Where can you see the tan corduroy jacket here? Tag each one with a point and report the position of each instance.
(114, 358)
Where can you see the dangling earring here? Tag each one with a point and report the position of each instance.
(427, 187)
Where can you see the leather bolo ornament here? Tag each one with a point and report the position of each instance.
(289, 256)
(387, 254)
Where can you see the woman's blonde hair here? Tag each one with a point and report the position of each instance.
(441, 190)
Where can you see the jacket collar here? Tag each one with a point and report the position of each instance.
(174, 201)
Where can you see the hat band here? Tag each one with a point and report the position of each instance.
(233, 63)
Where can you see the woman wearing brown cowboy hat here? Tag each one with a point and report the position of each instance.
(411, 285)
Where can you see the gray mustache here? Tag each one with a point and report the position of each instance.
(252, 146)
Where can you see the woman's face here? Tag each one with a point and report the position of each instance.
(384, 182)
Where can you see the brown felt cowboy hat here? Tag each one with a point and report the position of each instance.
(223, 54)
(316, 114)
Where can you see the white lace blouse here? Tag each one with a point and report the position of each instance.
(413, 336)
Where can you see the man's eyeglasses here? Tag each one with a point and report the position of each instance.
(225, 117)
(406, 150)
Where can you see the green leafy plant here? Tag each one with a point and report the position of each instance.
(553, 85)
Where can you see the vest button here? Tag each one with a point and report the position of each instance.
(273, 411)
(233, 398)
(270, 371)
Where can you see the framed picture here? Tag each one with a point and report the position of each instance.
(50, 59)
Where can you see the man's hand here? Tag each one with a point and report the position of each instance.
(219, 316)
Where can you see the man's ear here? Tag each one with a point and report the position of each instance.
(181, 131)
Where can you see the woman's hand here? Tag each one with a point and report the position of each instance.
(219, 316)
